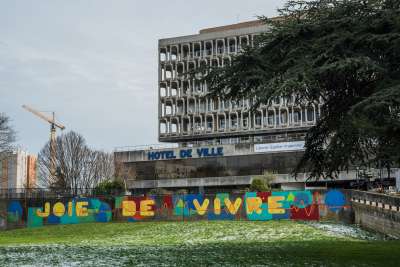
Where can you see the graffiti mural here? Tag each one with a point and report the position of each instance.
(253, 206)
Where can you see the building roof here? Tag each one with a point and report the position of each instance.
(240, 25)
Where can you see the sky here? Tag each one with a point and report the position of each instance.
(94, 62)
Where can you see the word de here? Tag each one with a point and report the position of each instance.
(146, 208)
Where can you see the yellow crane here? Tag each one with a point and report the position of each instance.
(53, 125)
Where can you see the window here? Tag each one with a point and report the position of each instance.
(221, 122)
(271, 118)
(284, 117)
(163, 91)
(245, 121)
(296, 116)
(168, 110)
(258, 120)
(234, 121)
(209, 124)
(310, 114)
(163, 128)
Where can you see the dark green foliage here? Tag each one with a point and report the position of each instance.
(159, 191)
(343, 54)
(259, 185)
(107, 188)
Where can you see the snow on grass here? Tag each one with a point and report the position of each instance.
(210, 232)
(203, 243)
(346, 230)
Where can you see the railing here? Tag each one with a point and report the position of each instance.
(373, 199)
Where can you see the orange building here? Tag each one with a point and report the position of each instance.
(31, 171)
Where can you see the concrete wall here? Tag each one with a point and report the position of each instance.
(377, 212)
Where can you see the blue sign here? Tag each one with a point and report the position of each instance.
(186, 153)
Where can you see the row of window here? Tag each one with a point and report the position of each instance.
(234, 121)
(205, 48)
(182, 106)
(189, 87)
(180, 70)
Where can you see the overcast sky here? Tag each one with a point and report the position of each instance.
(94, 62)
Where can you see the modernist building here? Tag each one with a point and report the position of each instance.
(216, 143)
(187, 115)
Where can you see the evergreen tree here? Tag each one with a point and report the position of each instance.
(344, 54)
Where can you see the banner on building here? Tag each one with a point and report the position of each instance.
(277, 147)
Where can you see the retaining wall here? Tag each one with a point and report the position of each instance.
(377, 212)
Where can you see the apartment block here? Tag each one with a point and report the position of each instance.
(17, 170)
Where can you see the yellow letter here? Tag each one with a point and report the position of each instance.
(253, 204)
(217, 206)
(275, 207)
(201, 209)
(70, 208)
(128, 208)
(145, 207)
(233, 208)
(46, 211)
(58, 209)
(81, 209)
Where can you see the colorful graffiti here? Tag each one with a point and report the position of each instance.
(78, 210)
(254, 206)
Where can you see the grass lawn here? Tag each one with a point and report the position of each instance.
(204, 243)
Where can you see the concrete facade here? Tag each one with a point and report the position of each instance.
(187, 114)
(234, 164)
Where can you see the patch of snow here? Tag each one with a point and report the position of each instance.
(345, 230)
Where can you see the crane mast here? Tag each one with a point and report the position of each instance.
(53, 147)
(53, 126)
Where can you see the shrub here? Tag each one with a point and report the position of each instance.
(181, 192)
(259, 185)
(108, 187)
(159, 191)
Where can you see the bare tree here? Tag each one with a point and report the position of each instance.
(7, 133)
(99, 167)
(77, 166)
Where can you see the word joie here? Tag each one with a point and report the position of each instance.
(59, 209)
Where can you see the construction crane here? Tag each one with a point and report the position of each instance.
(53, 125)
